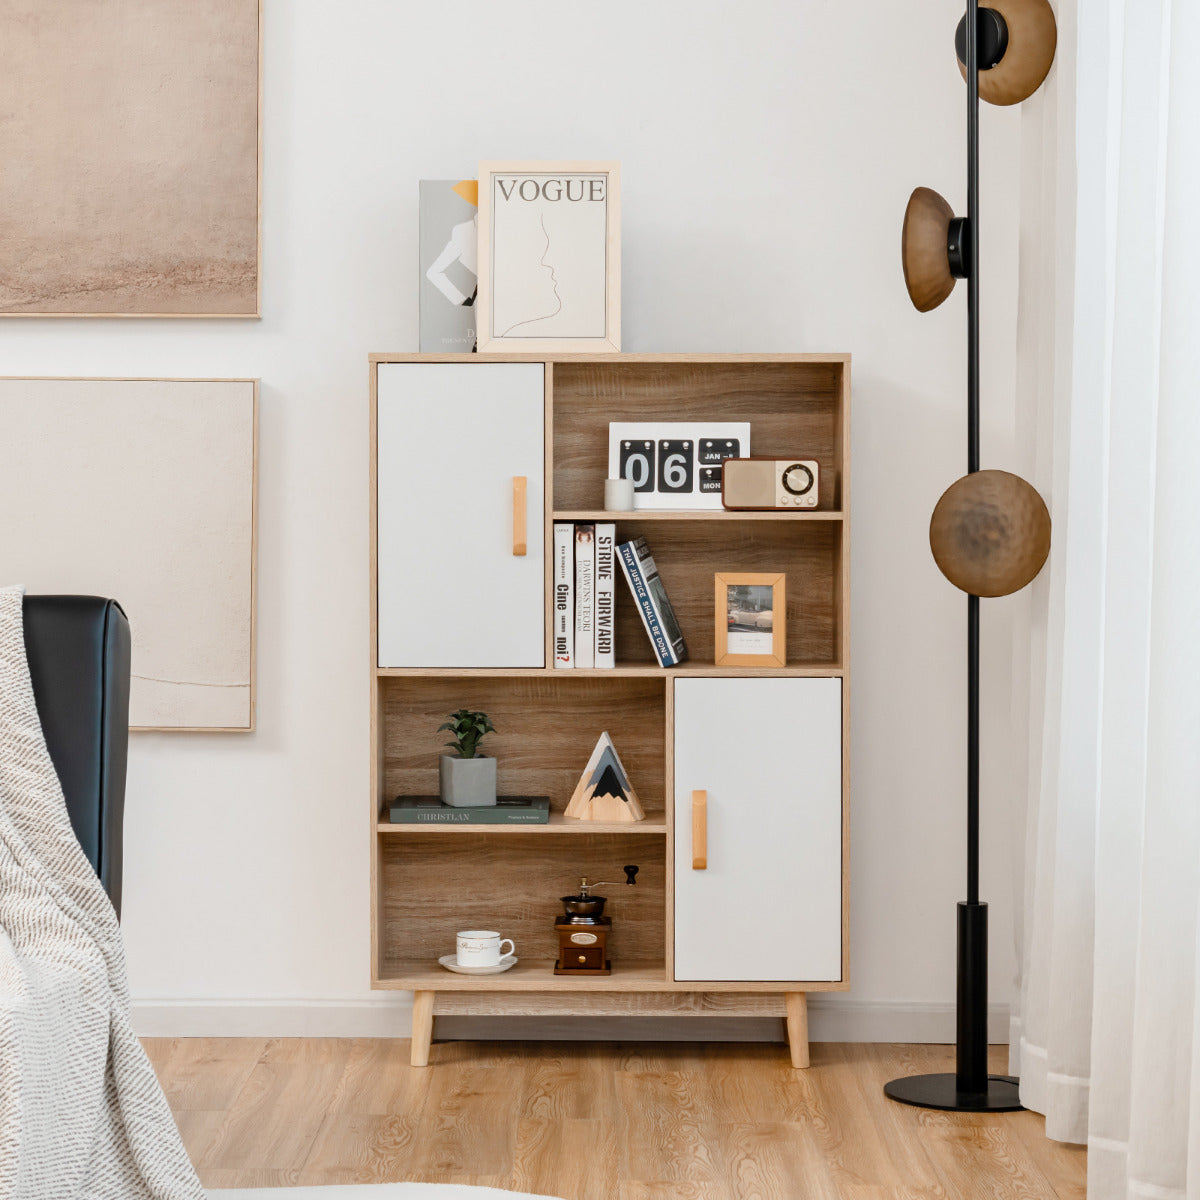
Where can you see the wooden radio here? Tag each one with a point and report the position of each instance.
(583, 931)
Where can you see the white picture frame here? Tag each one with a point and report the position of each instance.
(549, 257)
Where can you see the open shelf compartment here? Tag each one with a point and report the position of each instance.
(794, 409)
(432, 887)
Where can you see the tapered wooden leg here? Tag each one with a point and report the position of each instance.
(422, 1033)
(797, 1027)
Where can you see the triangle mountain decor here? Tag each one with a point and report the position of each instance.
(604, 792)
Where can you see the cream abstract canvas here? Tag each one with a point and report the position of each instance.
(143, 490)
(130, 136)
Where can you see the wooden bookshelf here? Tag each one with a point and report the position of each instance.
(429, 880)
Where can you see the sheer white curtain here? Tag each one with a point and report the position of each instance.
(1106, 1035)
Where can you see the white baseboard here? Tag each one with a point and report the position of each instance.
(831, 1019)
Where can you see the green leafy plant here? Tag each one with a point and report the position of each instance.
(467, 728)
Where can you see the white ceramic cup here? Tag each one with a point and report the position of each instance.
(481, 948)
(618, 495)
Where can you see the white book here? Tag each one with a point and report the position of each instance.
(564, 595)
(606, 595)
(585, 595)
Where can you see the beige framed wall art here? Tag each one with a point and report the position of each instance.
(143, 490)
(131, 135)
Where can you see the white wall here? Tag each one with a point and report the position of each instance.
(767, 153)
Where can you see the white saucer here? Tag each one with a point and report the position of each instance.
(450, 962)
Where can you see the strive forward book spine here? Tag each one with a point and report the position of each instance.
(606, 595)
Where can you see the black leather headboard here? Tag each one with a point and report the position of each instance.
(79, 660)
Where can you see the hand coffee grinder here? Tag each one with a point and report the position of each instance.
(583, 931)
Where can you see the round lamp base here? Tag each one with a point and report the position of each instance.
(941, 1092)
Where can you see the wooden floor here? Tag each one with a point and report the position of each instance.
(633, 1121)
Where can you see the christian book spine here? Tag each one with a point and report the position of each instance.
(486, 815)
(631, 569)
(585, 595)
(606, 595)
(564, 595)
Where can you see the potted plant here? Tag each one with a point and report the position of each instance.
(468, 778)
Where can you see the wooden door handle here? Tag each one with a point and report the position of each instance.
(699, 831)
(520, 539)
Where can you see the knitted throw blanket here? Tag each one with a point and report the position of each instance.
(82, 1116)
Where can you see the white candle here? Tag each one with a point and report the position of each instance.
(618, 495)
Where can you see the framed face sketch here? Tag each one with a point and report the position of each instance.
(549, 257)
(751, 611)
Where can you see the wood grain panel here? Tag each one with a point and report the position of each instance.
(436, 885)
(634, 1004)
(546, 729)
(792, 408)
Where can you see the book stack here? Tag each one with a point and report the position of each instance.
(584, 595)
(585, 561)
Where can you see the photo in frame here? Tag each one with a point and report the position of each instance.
(549, 257)
(751, 620)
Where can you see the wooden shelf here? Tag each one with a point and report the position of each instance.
(432, 879)
(557, 824)
(537, 975)
(644, 514)
(634, 671)
(529, 975)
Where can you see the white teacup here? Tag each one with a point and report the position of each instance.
(481, 948)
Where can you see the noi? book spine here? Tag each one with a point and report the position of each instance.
(564, 595)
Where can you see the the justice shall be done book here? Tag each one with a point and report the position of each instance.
(449, 265)
(650, 596)
(508, 810)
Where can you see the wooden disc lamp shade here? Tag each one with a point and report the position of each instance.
(925, 249)
(990, 532)
(1019, 38)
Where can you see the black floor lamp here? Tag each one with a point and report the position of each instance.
(990, 531)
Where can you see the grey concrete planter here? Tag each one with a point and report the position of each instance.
(468, 782)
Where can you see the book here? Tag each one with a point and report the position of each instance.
(564, 595)
(585, 595)
(606, 595)
(508, 810)
(448, 255)
(653, 604)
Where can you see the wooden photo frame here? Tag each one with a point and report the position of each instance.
(751, 620)
(549, 257)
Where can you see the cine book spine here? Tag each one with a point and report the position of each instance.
(606, 596)
(632, 570)
(564, 595)
(585, 595)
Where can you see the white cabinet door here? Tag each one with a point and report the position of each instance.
(451, 438)
(768, 753)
